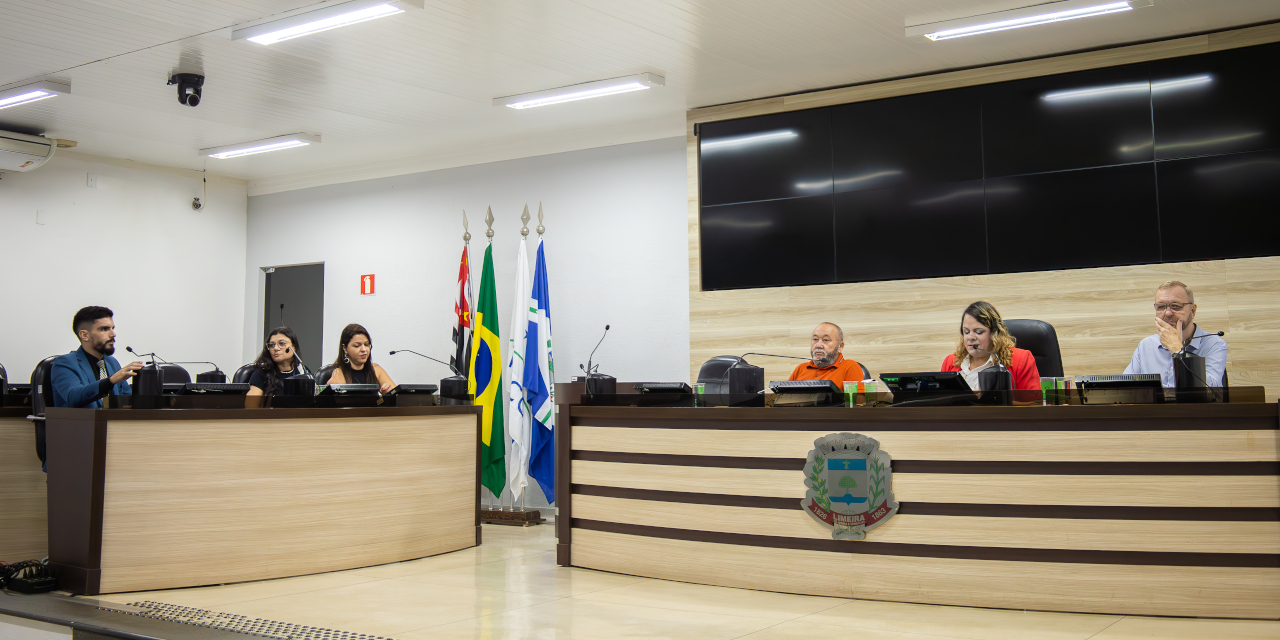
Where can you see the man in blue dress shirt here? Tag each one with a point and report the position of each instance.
(1176, 334)
(84, 376)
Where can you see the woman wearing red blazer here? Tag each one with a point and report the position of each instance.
(983, 338)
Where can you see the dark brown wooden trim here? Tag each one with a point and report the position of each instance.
(564, 479)
(256, 414)
(1159, 417)
(76, 456)
(15, 412)
(1065, 512)
(1003, 554)
(1264, 468)
(479, 465)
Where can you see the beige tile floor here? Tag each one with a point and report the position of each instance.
(511, 588)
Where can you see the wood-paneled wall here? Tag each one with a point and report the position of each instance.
(911, 325)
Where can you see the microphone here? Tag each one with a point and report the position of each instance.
(771, 355)
(282, 315)
(451, 367)
(1206, 335)
(998, 362)
(143, 355)
(302, 368)
(593, 351)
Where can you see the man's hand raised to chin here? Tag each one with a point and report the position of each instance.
(1170, 336)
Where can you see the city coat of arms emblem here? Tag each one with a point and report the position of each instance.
(850, 485)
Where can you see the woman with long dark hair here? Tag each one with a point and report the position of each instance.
(355, 364)
(984, 340)
(279, 360)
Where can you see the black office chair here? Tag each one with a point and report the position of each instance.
(1038, 337)
(323, 375)
(173, 374)
(866, 374)
(41, 399)
(3, 375)
(243, 374)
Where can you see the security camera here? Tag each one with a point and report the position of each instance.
(189, 85)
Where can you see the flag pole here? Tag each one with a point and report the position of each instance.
(540, 231)
(466, 243)
(488, 233)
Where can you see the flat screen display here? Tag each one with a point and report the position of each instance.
(1073, 219)
(911, 232)
(1224, 102)
(1220, 206)
(767, 244)
(1071, 121)
(765, 158)
(920, 139)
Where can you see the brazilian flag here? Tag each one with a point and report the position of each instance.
(484, 381)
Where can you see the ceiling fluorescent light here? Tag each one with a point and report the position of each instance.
(330, 17)
(32, 92)
(1024, 17)
(278, 143)
(597, 89)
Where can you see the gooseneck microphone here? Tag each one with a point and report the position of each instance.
(152, 355)
(1206, 335)
(999, 363)
(771, 355)
(451, 367)
(588, 368)
(302, 368)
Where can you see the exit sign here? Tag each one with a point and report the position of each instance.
(366, 285)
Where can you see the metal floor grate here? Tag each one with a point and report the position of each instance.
(241, 624)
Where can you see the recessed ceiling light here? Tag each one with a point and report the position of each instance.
(33, 92)
(1024, 17)
(596, 89)
(278, 143)
(330, 17)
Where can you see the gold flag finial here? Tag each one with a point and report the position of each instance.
(488, 219)
(540, 228)
(466, 234)
(524, 221)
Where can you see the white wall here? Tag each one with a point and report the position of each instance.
(173, 276)
(616, 246)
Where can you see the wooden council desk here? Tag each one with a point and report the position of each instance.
(1151, 510)
(23, 526)
(157, 499)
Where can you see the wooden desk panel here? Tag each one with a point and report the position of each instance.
(24, 524)
(187, 498)
(1155, 510)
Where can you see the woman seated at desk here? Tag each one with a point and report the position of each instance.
(354, 365)
(279, 360)
(986, 342)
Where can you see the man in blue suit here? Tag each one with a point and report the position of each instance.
(83, 377)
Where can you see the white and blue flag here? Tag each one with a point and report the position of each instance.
(539, 381)
(518, 415)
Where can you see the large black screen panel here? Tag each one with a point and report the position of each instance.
(1223, 102)
(911, 232)
(1072, 121)
(919, 139)
(778, 156)
(767, 244)
(1072, 219)
(1220, 206)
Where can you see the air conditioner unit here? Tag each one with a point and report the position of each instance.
(21, 152)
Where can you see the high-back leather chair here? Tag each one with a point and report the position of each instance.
(41, 399)
(3, 374)
(173, 374)
(1038, 337)
(323, 375)
(243, 373)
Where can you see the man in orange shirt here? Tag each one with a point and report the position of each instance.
(828, 361)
